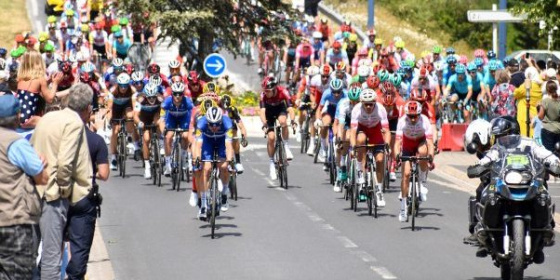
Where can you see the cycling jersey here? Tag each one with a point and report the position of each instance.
(460, 87)
(476, 84)
(370, 124)
(429, 85)
(329, 102)
(122, 49)
(213, 138)
(98, 38)
(275, 105)
(317, 49)
(319, 87)
(121, 102)
(177, 116)
(302, 53)
(447, 73)
(55, 57)
(489, 80)
(332, 58)
(413, 134)
(344, 113)
(147, 111)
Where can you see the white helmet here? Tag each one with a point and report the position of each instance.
(364, 71)
(174, 64)
(150, 90)
(312, 70)
(118, 62)
(368, 95)
(478, 133)
(317, 35)
(214, 115)
(178, 87)
(123, 79)
(155, 79)
(138, 76)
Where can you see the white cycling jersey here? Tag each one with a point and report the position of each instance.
(318, 83)
(414, 131)
(362, 118)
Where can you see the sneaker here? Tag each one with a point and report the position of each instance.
(298, 136)
(380, 199)
(167, 170)
(311, 149)
(239, 168)
(321, 156)
(361, 179)
(202, 214)
(337, 187)
(423, 193)
(471, 240)
(289, 155)
(193, 200)
(114, 165)
(220, 185)
(225, 203)
(273, 175)
(403, 217)
(325, 167)
(147, 173)
(392, 176)
(259, 71)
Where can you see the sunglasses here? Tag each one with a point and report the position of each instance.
(123, 86)
(369, 105)
(324, 76)
(422, 78)
(337, 92)
(384, 56)
(177, 94)
(63, 29)
(152, 98)
(138, 83)
(472, 72)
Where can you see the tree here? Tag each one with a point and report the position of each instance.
(208, 20)
(537, 10)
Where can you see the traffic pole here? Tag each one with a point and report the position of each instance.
(502, 33)
(371, 14)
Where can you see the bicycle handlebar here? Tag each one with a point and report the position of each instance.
(416, 158)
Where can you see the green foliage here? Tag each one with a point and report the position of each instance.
(536, 10)
(247, 99)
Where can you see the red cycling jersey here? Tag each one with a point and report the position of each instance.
(282, 96)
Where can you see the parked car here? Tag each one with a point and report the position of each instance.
(537, 55)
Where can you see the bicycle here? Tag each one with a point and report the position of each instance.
(176, 161)
(305, 135)
(121, 145)
(330, 158)
(280, 160)
(414, 188)
(156, 161)
(215, 194)
(371, 177)
(246, 48)
(233, 179)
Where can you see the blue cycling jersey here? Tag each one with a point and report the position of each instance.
(447, 73)
(459, 87)
(489, 80)
(476, 82)
(174, 113)
(205, 132)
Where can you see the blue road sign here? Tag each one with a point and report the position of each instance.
(214, 65)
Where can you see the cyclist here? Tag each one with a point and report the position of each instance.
(113, 72)
(138, 81)
(340, 73)
(304, 55)
(343, 117)
(304, 95)
(275, 104)
(336, 54)
(387, 61)
(195, 85)
(121, 45)
(266, 47)
(391, 100)
(99, 41)
(177, 109)
(449, 70)
(325, 114)
(319, 83)
(213, 133)
(147, 112)
(424, 89)
(361, 59)
(50, 56)
(237, 125)
(460, 86)
(364, 71)
(351, 46)
(289, 60)
(174, 69)
(489, 79)
(120, 106)
(325, 30)
(478, 88)
(414, 138)
(402, 53)
(318, 47)
(369, 124)
(155, 71)
(369, 42)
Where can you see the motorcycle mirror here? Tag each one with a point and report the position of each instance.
(472, 147)
(557, 147)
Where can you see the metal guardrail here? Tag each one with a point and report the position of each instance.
(334, 16)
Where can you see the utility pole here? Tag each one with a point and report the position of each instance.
(371, 14)
(502, 33)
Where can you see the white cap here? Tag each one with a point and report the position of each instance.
(550, 73)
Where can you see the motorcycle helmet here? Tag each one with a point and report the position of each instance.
(477, 135)
(504, 125)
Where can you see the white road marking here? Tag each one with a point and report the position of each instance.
(35, 10)
(365, 256)
(383, 272)
(314, 217)
(38, 24)
(346, 242)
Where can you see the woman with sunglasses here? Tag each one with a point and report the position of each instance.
(213, 132)
(369, 123)
(414, 138)
(146, 113)
(178, 109)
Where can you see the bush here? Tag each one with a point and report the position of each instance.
(247, 99)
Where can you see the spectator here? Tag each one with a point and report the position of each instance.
(517, 75)
(549, 75)
(61, 137)
(501, 98)
(549, 113)
(20, 169)
(533, 82)
(82, 216)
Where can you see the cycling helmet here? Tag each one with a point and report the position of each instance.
(210, 87)
(396, 80)
(479, 53)
(115, 29)
(151, 90)
(477, 134)
(129, 69)
(368, 95)
(88, 67)
(155, 79)
(118, 62)
(388, 100)
(450, 51)
(493, 65)
(390, 49)
(3, 51)
(193, 77)
(399, 44)
(312, 70)
(479, 62)
(504, 125)
(372, 82)
(123, 21)
(51, 19)
(324, 20)
(413, 108)
(174, 64)
(317, 35)
(269, 83)
(353, 37)
(463, 59)
(451, 60)
(364, 71)
(354, 93)
(336, 84)
(491, 54)
(340, 66)
(326, 70)
(178, 87)
(383, 52)
(436, 49)
(153, 69)
(383, 75)
(214, 115)
(371, 32)
(387, 88)
(337, 45)
(65, 66)
(123, 79)
(460, 69)
(137, 76)
(85, 77)
(418, 95)
(471, 67)
(226, 100)
(378, 41)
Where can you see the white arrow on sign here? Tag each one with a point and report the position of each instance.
(494, 16)
(218, 65)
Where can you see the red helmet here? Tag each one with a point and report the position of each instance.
(326, 70)
(391, 48)
(129, 68)
(413, 108)
(383, 52)
(193, 77)
(423, 72)
(363, 52)
(372, 82)
(388, 99)
(269, 83)
(85, 77)
(337, 45)
(387, 88)
(153, 68)
(65, 66)
(417, 95)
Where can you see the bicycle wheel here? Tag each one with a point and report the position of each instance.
(213, 204)
(122, 155)
(233, 187)
(372, 191)
(304, 136)
(281, 166)
(350, 188)
(179, 169)
(153, 161)
(331, 163)
(317, 149)
(413, 201)
(386, 172)
(355, 189)
(187, 172)
(285, 173)
(159, 171)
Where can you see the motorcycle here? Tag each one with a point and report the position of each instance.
(515, 211)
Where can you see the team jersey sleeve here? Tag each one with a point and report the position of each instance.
(427, 127)
(355, 116)
(261, 101)
(166, 105)
(383, 117)
(228, 128)
(400, 127)
(469, 81)
(340, 109)
(200, 126)
(325, 96)
(137, 106)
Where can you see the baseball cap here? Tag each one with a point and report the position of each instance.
(550, 73)
(9, 105)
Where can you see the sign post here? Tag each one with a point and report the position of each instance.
(214, 65)
(371, 14)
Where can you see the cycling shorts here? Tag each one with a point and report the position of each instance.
(410, 146)
(173, 122)
(119, 111)
(273, 112)
(291, 61)
(331, 111)
(208, 146)
(393, 125)
(373, 135)
(304, 62)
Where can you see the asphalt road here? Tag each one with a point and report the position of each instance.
(306, 232)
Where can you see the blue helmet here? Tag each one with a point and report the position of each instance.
(451, 60)
(450, 51)
(471, 67)
(460, 69)
(493, 65)
(478, 62)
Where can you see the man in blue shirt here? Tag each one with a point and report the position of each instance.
(178, 110)
(121, 46)
(460, 87)
(213, 135)
(326, 111)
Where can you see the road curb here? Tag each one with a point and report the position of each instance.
(99, 265)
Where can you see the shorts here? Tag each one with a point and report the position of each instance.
(393, 125)
(147, 117)
(475, 94)
(173, 123)
(122, 56)
(291, 61)
(373, 135)
(273, 112)
(331, 111)
(119, 111)
(410, 146)
(304, 62)
(100, 50)
(209, 145)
